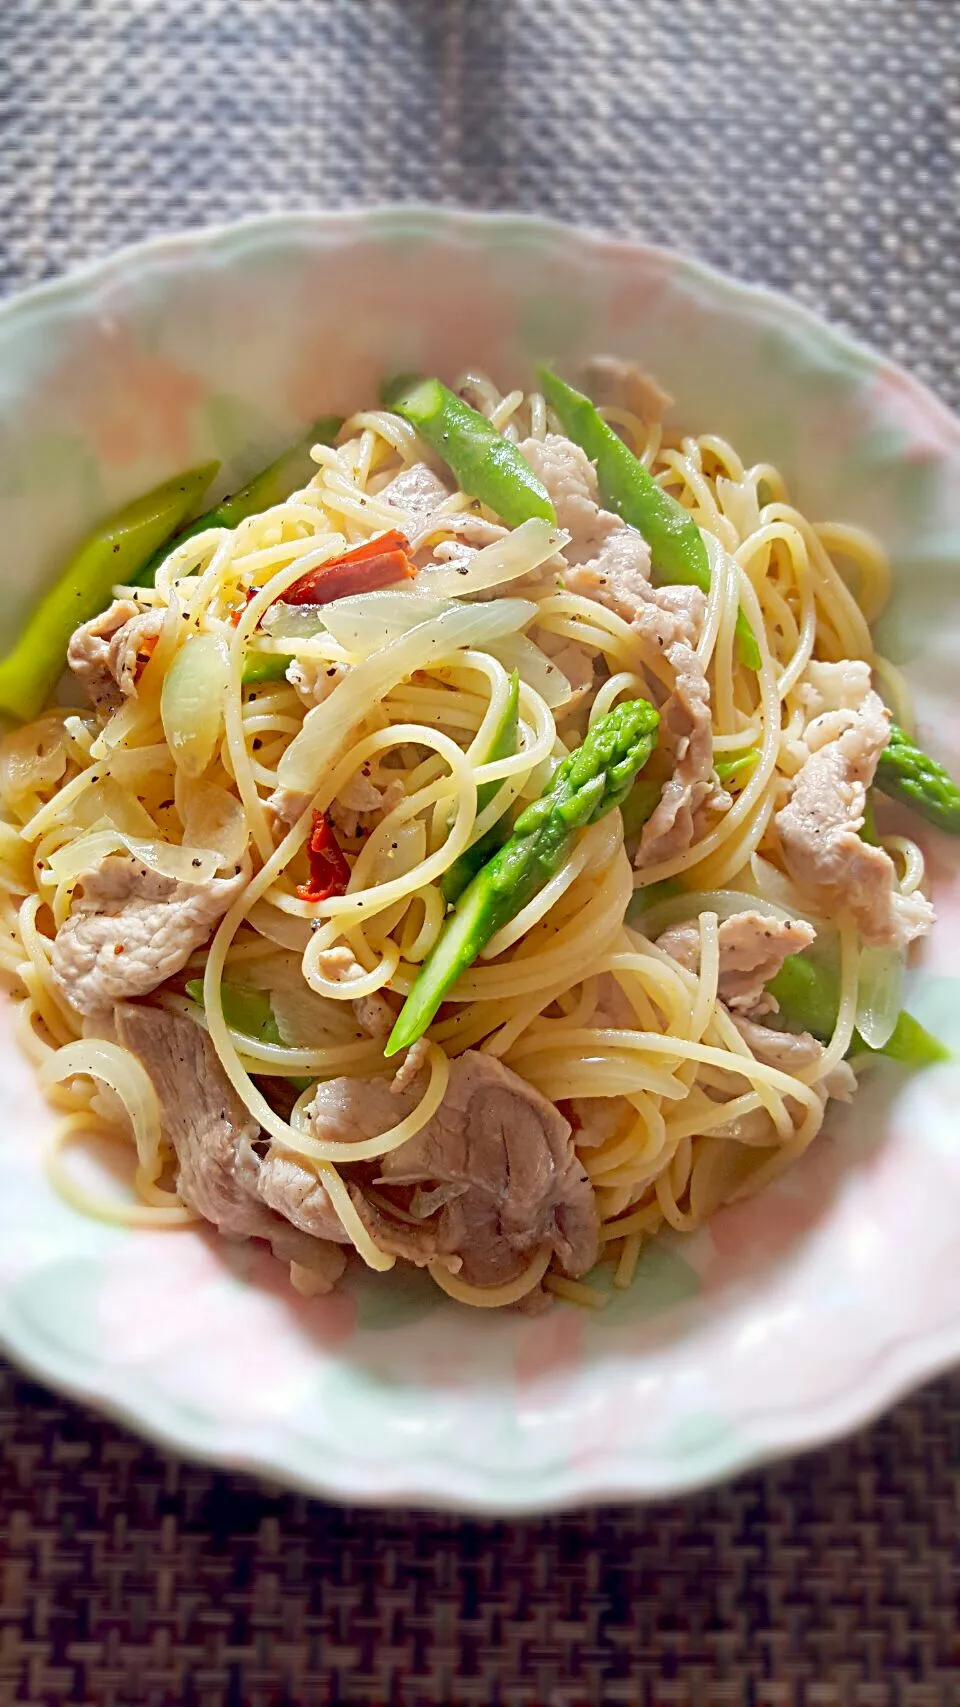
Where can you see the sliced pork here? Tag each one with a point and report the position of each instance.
(819, 827)
(129, 929)
(753, 947)
(107, 653)
(495, 1171)
(417, 491)
(212, 1134)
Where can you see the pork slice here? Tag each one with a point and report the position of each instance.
(753, 947)
(129, 929)
(685, 720)
(613, 383)
(314, 680)
(290, 1187)
(819, 826)
(789, 1052)
(496, 1161)
(571, 480)
(106, 653)
(212, 1134)
(417, 491)
(374, 1015)
(792, 1052)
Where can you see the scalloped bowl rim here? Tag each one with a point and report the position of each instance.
(454, 1482)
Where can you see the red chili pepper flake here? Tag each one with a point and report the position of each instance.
(329, 871)
(379, 563)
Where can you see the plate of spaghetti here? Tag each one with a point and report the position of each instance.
(477, 860)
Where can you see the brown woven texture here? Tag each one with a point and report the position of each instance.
(812, 144)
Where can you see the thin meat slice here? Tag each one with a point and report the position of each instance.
(793, 1052)
(789, 1052)
(420, 493)
(417, 491)
(685, 721)
(820, 824)
(212, 1134)
(753, 947)
(129, 929)
(107, 653)
(495, 1169)
(571, 480)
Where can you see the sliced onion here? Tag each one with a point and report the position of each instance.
(192, 702)
(327, 728)
(293, 622)
(516, 652)
(32, 759)
(879, 994)
(518, 553)
(181, 865)
(126, 1077)
(364, 622)
(107, 804)
(213, 818)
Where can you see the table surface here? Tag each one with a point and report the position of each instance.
(810, 144)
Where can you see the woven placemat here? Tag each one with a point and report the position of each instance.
(814, 145)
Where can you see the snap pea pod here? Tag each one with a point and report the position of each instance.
(114, 553)
(249, 1012)
(808, 996)
(503, 746)
(289, 471)
(486, 465)
(594, 779)
(906, 773)
(677, 550)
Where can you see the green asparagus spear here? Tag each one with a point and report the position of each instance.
(115, 552)
(908, 774)
(274, 483)
(808, 996)
(594, 779)
(486, 465)
(503, 746)
(676, 547)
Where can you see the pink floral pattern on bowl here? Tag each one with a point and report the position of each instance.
(793, 1316)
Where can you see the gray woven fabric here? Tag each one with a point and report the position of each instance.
(811, 144)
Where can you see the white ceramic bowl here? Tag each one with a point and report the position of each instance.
(794, 1316)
